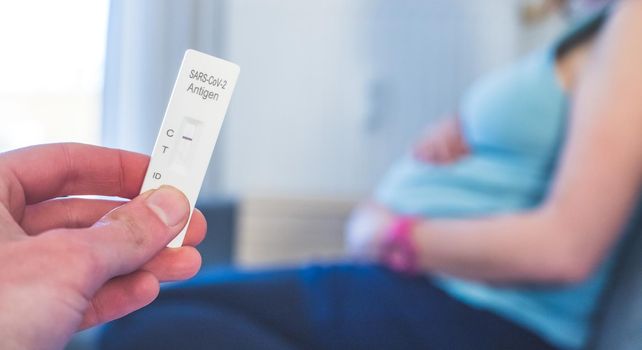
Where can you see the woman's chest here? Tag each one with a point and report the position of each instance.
(520, 111)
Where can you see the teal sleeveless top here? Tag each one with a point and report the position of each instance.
(514, 122)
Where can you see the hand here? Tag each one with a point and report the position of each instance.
(366, 230)
(442, 143)
(71, 263)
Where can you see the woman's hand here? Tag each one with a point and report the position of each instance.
(442, 143)
(366, 231)
(71, 263)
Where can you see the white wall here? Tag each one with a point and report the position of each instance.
(299, 96)
(332, 91)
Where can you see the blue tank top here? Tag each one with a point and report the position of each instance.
(514, 121)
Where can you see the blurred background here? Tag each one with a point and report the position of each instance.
(330, 93)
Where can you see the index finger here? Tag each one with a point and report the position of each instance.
(55, 170)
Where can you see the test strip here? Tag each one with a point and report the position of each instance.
(191, 125)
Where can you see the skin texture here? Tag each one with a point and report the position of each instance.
(593, 192)
(72, 263)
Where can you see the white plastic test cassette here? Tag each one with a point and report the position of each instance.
(191, 125)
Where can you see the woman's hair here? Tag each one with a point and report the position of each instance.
(583, 31)
(592, 14)
(534, 12)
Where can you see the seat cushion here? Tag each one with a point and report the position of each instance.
(619, 320)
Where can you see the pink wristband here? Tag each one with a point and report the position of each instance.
(399, 252)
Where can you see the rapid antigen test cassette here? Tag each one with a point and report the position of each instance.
(191, 125)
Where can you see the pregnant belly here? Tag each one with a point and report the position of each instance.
(476, 185)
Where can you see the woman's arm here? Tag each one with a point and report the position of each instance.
(596, 186)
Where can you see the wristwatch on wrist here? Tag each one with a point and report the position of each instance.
(399, 252)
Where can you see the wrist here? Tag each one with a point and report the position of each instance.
(399, 251)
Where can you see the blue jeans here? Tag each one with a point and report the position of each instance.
(315, 307)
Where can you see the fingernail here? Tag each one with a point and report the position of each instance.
(169, 204)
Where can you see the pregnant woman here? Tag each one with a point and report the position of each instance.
(497, 232)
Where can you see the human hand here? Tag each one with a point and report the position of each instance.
(71, 263)
(442, 143)
(366, 231)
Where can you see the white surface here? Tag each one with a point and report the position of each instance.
(177, 160)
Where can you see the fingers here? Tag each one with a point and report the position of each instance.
(423, 151)
(55, 170)
(443, 145)
(81, 213)
(10, 229)
(125, 294)
(130, 235)
(174, 264)
(436, 152)
(121, 296)
(196, 230)
(65, 213)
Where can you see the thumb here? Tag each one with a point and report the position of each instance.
(130, 235)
